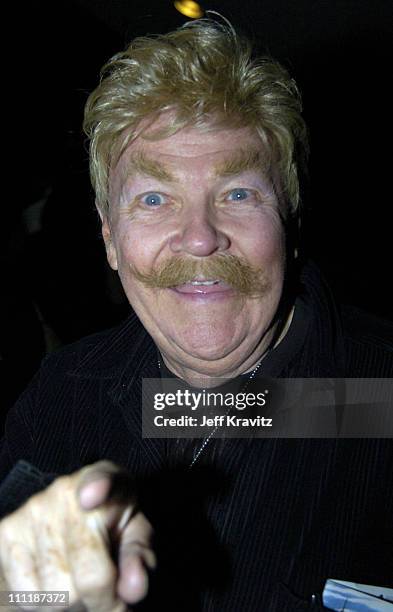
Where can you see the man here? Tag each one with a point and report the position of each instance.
(195, 149)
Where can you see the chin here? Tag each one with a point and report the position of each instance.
(207, 343)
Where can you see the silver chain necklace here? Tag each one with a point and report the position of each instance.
(211, 434)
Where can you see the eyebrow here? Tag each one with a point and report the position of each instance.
(141, 164)
(244, 160)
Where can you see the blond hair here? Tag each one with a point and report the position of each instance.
(205, 76)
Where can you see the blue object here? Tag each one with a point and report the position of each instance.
(343, 596)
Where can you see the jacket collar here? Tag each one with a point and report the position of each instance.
(109, 353)
(124, 356)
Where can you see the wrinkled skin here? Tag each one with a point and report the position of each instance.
(62, 538)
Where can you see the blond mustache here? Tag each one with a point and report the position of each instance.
(230, 269)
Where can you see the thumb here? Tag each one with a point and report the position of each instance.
(104, 482)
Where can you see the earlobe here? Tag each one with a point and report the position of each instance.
(109, 246)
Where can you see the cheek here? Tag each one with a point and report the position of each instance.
(136, 247)
(266, 245)
(126, 244)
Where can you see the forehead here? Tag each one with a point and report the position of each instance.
(194, 142)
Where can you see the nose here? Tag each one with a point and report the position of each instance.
(199, 235)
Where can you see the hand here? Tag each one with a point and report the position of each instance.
(65, 539)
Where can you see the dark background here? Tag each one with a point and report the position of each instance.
(340, 53)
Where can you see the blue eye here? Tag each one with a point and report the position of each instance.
(153, 199)
(236, 195)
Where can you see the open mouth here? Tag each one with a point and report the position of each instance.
(199, 286)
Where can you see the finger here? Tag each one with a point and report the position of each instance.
(135, 557)
(133, 584)
(18, 563)
(103, 491)
(104, 485)
(94, 483)
(81, 545)
(52, 564)
(94, 493)
(92, 570)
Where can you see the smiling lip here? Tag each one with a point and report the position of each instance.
(218, 289)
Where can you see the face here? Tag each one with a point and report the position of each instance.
(197, 198)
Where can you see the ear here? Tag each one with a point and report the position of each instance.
(111, 254)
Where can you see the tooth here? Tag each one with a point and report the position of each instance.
(209, 282)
